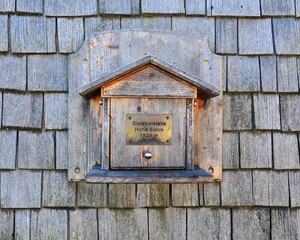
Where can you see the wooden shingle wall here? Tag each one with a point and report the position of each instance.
(260, 192)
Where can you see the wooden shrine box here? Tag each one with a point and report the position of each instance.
(141, 120)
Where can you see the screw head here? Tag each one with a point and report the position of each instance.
(206, 62)
(101, 102)
(148, 155)
(77, 170)
(85, 61)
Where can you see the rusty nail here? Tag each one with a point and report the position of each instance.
(77, 170)
(85, 61)
(129, 118)
(167, 117)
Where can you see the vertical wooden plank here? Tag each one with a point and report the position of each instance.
(189, 134)
(185, 195)
(105, 134)
(121, 196)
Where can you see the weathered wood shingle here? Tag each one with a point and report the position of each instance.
(297, 8)
(287, 74)
(7, 6)
(91, 195)
(125, 7)
(168, 7)
(1, 108)
(22, 110)
(7, 224)
(26, 185)
(70, 34)
(212, 194)
(195, 7)
(153, 195)
(146, 23)
(36, 150)
(8, 147)
(70, 8)
(290, 112)
(32, 34)
(185, 195)
(47, 73)
(13, 72)
(230, 150)
(3, 33)
(121, 196)
(98, 24)
(226, 35)
(30, 6)
(255, 36)
(61, 150)
(278, 7)
(268, 73)
(294, 180)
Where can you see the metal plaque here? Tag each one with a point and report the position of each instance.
(149, 129)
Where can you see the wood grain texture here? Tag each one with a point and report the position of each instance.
(153, 195)
(243, 74)
(251, 223)
(226, 35)
(56, 111)
(185, 195)
(105, 134)
(47, 73)
(24, 184)
(13, 72)
(286, 153)
(212, 194)
(286, 36)
(285, 224)
(260, 40)
(233, 8)
(230, 150)
(57, 191)
(7, 224)
(266, 111)
(70, 34)
(36, 150)
(195, 7)
(83, 224)
(146, 23)
(268, 73)
(256, 150)
(236, 188)
(1, 97)
(61, 150)
(278, 8)
(71, 8)
(290, 112)
(287, 74)
(91, 195)
(33, 34)
(200, 223)
(190, 134)
(169, 7)
(3, 33)
(297, 2)
(168, 223)
(8, 146)
(30, 6)
(294, 181)
(99, 24)
(122, 196)
(237, 112)
(126, 7)
(7, 6)
(130, 223)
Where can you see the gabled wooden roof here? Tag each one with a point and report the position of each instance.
(93, 88)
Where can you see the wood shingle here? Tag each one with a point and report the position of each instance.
(226, 35)
(91, 195)
(8, 146)
(268, 73)
(3, 33)
(122, 196)
(169, 7)
(230, 150)
(125, 7)
(278, 7)
(185, 195)
(30, 6)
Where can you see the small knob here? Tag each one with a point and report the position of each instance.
(148, 155)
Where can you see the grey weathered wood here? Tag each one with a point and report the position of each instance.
(212, 194)
(70, 34)
(13, 72)
(47, 73)
(1, 97)
(195, 7)
(8, 145)
(243, 74)
(286, 36)
(7, 6)
(261, 194)
(290, 112)
(287, 74)
(294, 181)
(285, 224)
(122, 195)
(236, 188)
(149, 82)
(237, 112)
(83, 224)
(208, 223)
(230, 150)
(286, 153)
(30, 6)
(233, 8)
(146, 23)
(7, 224)
(259, 41)
(185, 195)
(169, 7)
(189, 134)
(126, 7)
(105, 137)
(61, 150)
(22, 224)
(33, 34)
(36, 150)
(268, 73)
(57, 191)
(24, 184)
(153, 195)
(99, 24)
(56, 110)
(92, 195)
(251, 224)
(201, 194)
(256, 150)
(3, 33)
(297, 2)
(266, 111)
(277, 8)
(123, 224)
(226, 35)
(71, 8)
(168, 223)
